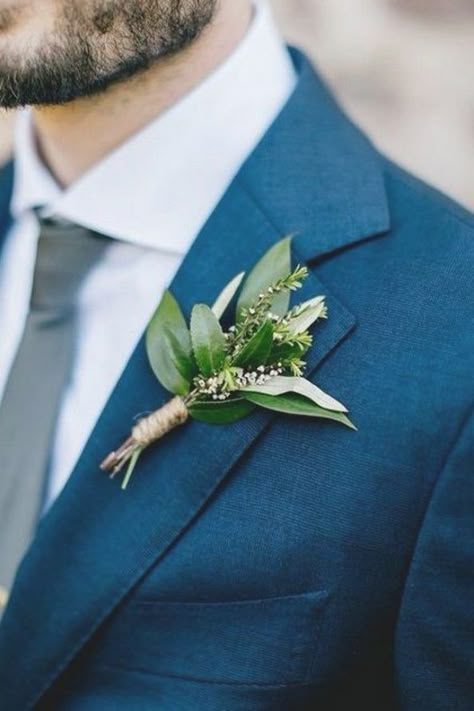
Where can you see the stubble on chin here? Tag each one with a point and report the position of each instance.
(80, 47)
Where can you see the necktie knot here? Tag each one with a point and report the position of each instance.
(65, 254)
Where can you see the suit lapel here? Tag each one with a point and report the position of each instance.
(97, 541)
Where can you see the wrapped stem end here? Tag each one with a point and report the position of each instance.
(147, 431)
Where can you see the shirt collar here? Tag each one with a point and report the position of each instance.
(33, 184)
(158, 188)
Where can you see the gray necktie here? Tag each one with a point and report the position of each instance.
(31, 400)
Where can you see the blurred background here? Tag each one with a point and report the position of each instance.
(404, 70)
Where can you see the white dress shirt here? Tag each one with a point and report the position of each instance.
(152, 195)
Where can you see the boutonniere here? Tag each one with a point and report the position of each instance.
(218, 375)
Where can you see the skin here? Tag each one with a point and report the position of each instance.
(97, 71)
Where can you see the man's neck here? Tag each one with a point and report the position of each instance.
(74, 136)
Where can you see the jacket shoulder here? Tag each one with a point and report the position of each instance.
(414, 202)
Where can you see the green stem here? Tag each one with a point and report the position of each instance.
(131, 466)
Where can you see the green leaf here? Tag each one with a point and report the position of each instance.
(208, 340)
(294, 404)
(168, 345)
(274, 265)
(257, 349)
(226, 295)
(286, 352)
(221, 413)
(311, 311)
(279, 385)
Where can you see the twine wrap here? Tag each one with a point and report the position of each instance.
(155, 426)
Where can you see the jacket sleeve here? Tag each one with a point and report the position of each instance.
(434, 643)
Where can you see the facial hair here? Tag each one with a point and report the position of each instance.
(99, 43)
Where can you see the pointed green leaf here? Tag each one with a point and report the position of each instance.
(226, 295)
(257, 349)
(294, 404)
(311, 311)
(209, 344)
(286, 352)
(221, 413)
(168, 346)
(274, 265)
(279, 385)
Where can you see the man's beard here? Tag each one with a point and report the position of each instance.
(96, 43)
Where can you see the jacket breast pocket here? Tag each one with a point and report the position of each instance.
(269, 641)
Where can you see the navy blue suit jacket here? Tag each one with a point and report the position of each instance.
(282, 563)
